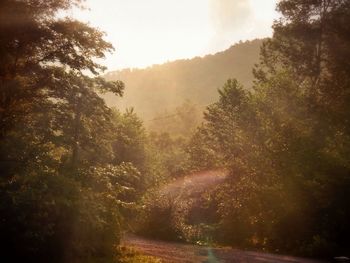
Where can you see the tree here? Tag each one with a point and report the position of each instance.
(34, 41)
(310, 42)
(61, 195)
(130, 141)
(286, 143)
(43, 59)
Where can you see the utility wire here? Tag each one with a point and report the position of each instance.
(176, 114)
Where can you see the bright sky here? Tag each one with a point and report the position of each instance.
(146, 32)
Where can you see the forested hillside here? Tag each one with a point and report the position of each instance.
(163, 87)
(284, 144)
(266, 167)
(65, 182)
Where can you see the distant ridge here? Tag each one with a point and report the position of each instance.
(164, 87)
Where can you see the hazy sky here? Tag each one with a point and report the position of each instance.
(146, 32)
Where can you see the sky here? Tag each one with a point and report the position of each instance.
(147, 32)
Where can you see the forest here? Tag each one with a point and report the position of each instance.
(195, 80)
(262, 164)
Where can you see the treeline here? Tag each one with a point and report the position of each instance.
(286, 145)
(76, 173)
(71, 168)
(165, 87)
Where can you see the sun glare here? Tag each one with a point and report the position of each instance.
(156, 31)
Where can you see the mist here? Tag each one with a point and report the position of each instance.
(229, 16)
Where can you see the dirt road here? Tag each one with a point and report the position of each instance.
(180, 253)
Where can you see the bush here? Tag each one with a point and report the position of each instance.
(53, 217)
(158, 219)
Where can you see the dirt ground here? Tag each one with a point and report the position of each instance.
(171, 252)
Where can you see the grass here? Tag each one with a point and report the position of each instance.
(129, 255)
(124, 254)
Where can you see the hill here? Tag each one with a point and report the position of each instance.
(161, 88)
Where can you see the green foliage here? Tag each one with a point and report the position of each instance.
(169, 152)
(164, 88)
(183, 209)
(130, 140)
(73, 171)
(152, 154)
(158, 218)
(286, 142)
(63, 195)
(48, 215)
(181, 122)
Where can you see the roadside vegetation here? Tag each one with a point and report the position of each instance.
(75, 173)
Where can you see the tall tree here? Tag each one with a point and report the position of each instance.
(34, 41)
(288, 140)
(60, 194)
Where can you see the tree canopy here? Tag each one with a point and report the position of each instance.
(266, 167)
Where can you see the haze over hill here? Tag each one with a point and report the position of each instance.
(161, 88)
